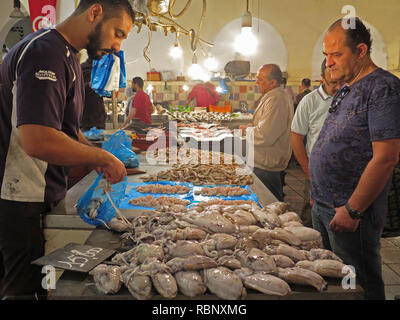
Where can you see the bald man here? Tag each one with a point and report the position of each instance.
(270, 130)
(352, 161)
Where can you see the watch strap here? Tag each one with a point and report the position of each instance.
(354, 214)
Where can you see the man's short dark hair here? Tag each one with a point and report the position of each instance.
(111, 7)
(306, 82)
(139, 81)
(275, 73)
(323, 67)
(355, 36)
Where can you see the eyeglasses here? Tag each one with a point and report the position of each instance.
(337, 100)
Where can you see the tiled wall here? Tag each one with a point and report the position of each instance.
(239, 92)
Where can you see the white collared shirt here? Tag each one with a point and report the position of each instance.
(310, 116)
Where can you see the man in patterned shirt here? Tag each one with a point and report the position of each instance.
(352, 161)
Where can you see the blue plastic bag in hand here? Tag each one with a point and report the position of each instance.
(95, 208)
(94, 134)
(121, 146)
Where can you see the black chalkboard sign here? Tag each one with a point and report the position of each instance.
(75, 257)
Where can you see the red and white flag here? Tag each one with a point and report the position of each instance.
(43, 13)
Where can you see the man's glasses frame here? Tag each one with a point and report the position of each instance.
(337, 100)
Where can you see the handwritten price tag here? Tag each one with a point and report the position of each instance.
(75, 257)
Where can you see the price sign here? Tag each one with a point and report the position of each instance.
(75, 257)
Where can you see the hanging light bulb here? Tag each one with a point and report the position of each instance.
(246, 43)
(211, 63)
(195, 71)
(176, 51)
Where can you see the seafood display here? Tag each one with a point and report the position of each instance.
(151, 202)
(224, 174)
(160, 188)
(205, 117)
(191, 156)
(219, 247)
(223, 191)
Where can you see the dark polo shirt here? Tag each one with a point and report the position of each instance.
(41, 83)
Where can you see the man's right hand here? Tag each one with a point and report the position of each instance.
(114, 171)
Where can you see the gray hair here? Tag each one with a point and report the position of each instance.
(275, 72)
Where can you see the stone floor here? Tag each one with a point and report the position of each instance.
(390, 251)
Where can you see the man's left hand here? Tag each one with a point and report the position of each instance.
(342, 222)
(243, 127)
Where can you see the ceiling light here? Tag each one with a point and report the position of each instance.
(246, 43)
(195, 71)
(211, 63)
(176, 51)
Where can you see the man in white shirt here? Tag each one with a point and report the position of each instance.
(307, 122)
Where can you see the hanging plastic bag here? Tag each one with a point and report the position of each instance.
(122, 74)
(120, 145)
(113, 79)
(95, 208)
(100, 74)
(94, 134)
(102, 70)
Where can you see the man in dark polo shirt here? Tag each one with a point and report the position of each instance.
(41, 103)
(352, 161)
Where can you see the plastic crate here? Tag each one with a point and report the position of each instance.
(180, 108)
(226, 108)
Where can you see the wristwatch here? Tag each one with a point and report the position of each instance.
(354, 214)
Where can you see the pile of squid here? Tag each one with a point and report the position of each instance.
(218, 249)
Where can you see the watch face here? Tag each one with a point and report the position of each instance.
(354, 215)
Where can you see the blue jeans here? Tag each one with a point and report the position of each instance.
(360, 249)
(272, 180)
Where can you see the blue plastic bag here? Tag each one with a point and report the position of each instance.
(121, 146)
(95, 202)
(101, 72)
(94, 134)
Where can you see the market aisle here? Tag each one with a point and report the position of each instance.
(294, 194)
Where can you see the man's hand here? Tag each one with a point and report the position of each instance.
(342, 222)
(114, 171)
(243, 127)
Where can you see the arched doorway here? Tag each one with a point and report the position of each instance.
(271, 48)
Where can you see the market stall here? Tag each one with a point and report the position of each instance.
(81, 285)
